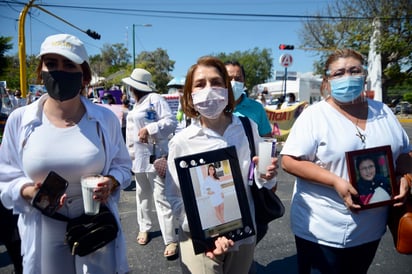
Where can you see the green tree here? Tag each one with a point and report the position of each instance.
(159, 65)
(113, 58)
(256, 63)
(5, 45)
(350, 24)
(12, 73)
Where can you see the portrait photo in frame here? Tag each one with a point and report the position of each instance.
(214, 197)
(371, 172)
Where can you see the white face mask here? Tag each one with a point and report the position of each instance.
(210, 102)
(238, 89)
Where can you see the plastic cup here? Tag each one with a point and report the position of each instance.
(89, 183)
(266, 151)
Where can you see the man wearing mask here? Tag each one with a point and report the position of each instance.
(244, 105)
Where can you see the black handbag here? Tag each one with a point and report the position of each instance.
(268, 205)
(87, 233)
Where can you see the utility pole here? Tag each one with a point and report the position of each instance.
(22, 49)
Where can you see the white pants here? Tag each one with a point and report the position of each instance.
(149, 186)
(56, 256)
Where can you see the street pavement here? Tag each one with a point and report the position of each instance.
(275, 254)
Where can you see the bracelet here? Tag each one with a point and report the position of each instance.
(408, 178)
(115, 183)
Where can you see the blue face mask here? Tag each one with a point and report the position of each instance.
(238, 89)
(347, 89)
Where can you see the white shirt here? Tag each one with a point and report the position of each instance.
(322, 135)
(196, 139)
(161, 130)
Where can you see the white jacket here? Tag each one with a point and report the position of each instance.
(20, 125)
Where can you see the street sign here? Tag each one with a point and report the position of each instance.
(286, 60)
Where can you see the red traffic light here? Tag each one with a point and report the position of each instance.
(286, 47)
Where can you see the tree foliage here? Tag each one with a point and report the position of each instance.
(12, 72)
(347, 23)
(256, 63)
(113, 57)
(5, 45)
(159, 65)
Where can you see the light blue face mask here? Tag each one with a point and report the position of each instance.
(238, 89)
(347, 89)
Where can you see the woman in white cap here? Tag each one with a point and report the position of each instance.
(147, 139)
(63, 131)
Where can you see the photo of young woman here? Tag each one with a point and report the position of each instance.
(211, 188)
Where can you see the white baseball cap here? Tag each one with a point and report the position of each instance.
(66, 45)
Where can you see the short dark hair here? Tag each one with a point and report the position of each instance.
(236, 64)
(292, 96)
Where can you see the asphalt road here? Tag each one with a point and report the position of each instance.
(275, 254)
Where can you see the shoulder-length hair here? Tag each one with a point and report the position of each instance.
(186, 100)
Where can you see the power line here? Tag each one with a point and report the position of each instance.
(176, 14)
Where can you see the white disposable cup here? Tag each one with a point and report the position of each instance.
(266, 151)
(89, 183)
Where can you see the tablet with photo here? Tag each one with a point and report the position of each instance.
(214, 197)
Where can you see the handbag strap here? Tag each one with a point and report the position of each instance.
(248, 131)
(63, 218)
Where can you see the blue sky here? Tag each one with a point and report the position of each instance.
(184, 37)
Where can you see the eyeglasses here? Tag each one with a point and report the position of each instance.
(339, 73)
(366, 168)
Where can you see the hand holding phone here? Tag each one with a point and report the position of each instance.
(47, 198)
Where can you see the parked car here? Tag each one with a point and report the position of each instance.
(403, 108)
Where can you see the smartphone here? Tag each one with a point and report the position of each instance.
(47, 198)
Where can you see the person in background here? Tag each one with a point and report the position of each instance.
(176, 86)
(290, 100)
(125, 112)
(148, 139)
(18, 100)
(63, 131)
(108, 101)
(261, 99)
(209, 101)
(7, 102)
(331, 234)
(244, 106)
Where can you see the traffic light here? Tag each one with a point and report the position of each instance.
(286, 47)
(93, 34)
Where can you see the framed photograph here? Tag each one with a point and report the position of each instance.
(371, 172)
(214, 197)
